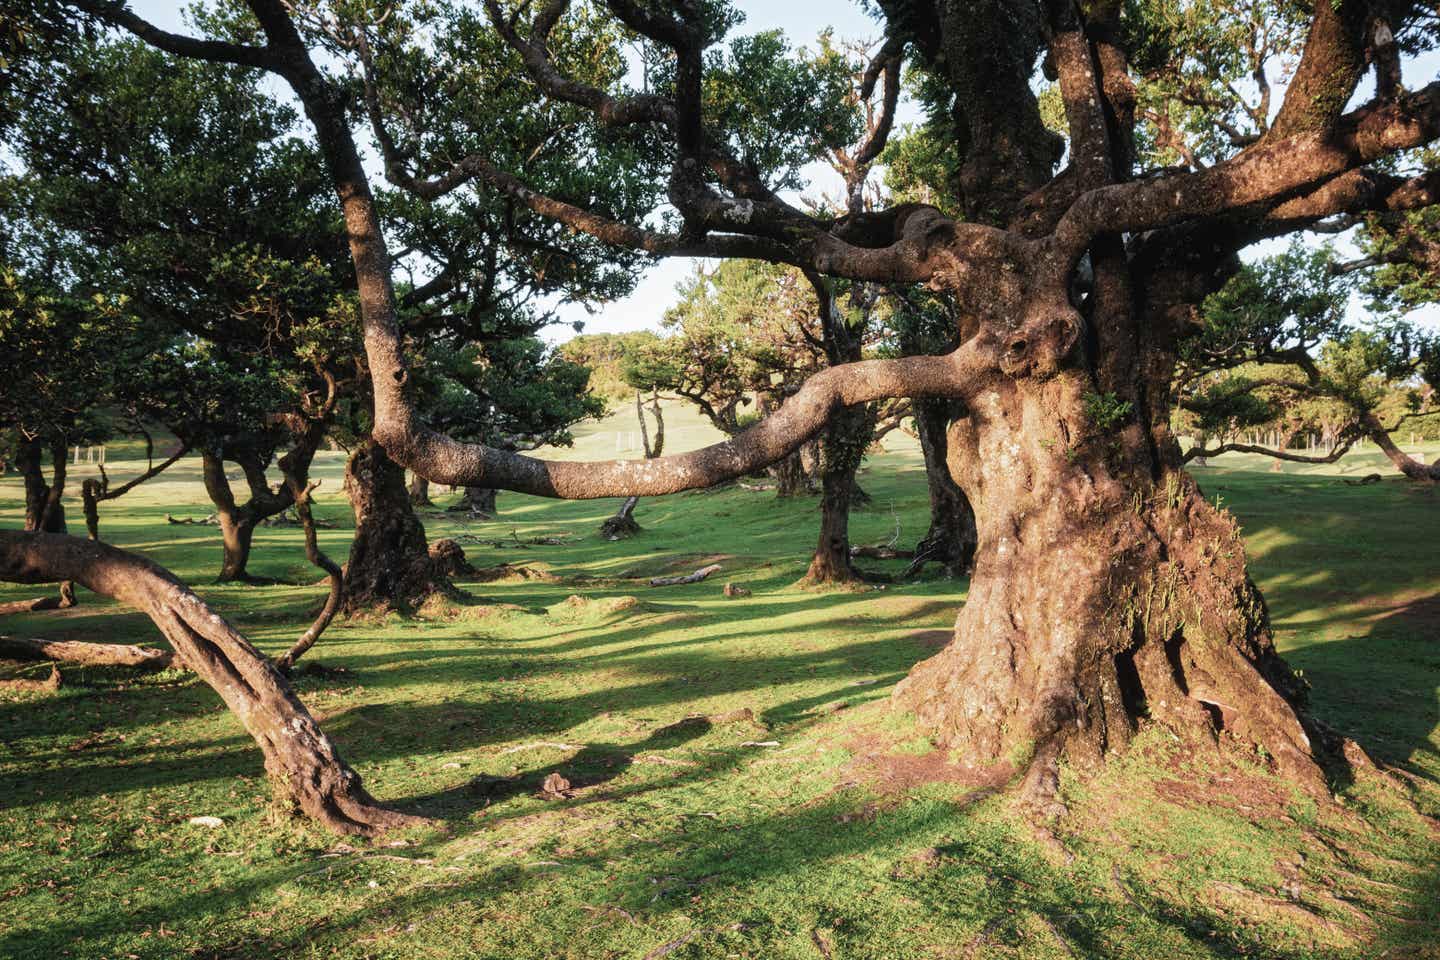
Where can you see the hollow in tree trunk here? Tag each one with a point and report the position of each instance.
(950, 540)
(1106, 590)
(390, 562)
(305, 769)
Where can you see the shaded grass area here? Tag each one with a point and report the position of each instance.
(684, 838)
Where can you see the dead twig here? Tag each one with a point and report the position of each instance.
(695, 577)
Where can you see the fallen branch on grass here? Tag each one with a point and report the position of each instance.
(881, 552)
(49, 685)
(210, 521)
(695, 577)
(86, 654)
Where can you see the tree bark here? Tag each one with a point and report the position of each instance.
(44, 508)
(477, 502)
(1106, 590)
(238, 521)
(305, 768)
(950, 540)
(842, 448)
(390, 562)
(420, 491)
(791, 479)
(86, 654)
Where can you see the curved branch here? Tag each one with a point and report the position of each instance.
(1339, 451)
(317, 557)
(302, 761)
(444, 460)
(117, 14)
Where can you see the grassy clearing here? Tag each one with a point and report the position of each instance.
(683, 838)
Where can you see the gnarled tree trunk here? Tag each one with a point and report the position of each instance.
(389, 559)
(304, 767)
(1106, 590)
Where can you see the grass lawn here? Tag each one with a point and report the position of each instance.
(821, 825)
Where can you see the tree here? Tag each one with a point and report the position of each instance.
(1276, 350)
(207, 240)
(1106, 587)
(623, 523)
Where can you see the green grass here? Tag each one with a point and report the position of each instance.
(831, 844)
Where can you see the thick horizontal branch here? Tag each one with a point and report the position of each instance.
(802, 416)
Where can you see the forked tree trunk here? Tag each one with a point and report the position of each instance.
(239, 520)
(389, 559)
(44, 508)
(950, 540)
(1106, 590)
(304, 767)
(623, 523)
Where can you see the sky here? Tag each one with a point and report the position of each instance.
(800, 20)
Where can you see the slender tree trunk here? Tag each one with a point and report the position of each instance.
(389, 558)
(304, 767)
(623, 524)
(420, 491)
(1106, 590)
(843, 447)
(1413, 469)
(950, 540)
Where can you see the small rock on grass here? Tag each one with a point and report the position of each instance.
(734, 590)
(211, 822)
